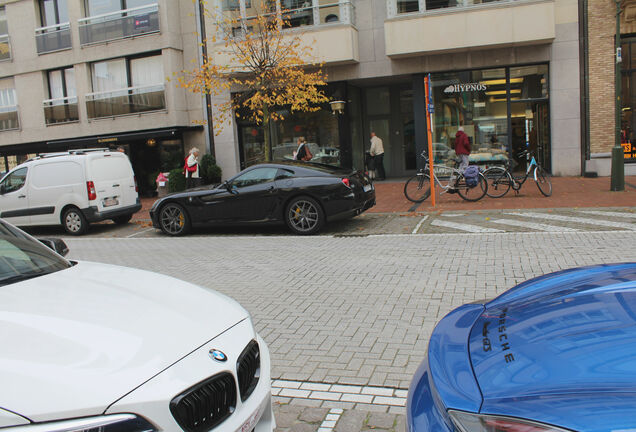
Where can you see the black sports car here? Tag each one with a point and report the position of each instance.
(303, 195)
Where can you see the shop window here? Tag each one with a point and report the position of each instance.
(628, 113)
(378, 101)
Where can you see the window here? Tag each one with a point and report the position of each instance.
(53, 12)
(122, 73)
(407, 6)
(62, 84)
(254, 177)
(99, 7)
(7, 98)
(297, 13)
(8, 106)
(15, 180)
(4, 27)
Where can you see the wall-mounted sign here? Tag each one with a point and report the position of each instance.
(460, 88)
(142, 21)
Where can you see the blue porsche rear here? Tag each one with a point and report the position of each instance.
(554, 353)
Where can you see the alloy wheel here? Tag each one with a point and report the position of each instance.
(173, 220)
(303, 216)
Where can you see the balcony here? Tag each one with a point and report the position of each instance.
(5, 48)
(9, 118)
(132, 100)
(53, 38)
(62, 110)
(475, 26)
(122, 24)
(328, 29)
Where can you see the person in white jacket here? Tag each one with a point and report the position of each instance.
(192, 169)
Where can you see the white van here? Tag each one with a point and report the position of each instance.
(70, 188)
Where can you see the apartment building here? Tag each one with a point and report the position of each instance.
(92, 73)
(508, 71)
(87, 73)
(600, 85)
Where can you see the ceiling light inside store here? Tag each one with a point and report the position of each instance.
(493, 99)
(502, 81)
(502, 92)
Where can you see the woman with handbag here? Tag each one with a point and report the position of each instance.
(302, 152)
(191, 169)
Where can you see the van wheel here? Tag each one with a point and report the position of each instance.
(122, 220)
(74, 222)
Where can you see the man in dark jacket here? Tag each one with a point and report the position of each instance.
(462, 150)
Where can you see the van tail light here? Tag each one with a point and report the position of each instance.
(489, 423)
(136, 186)
(90, 188)
(346, 182)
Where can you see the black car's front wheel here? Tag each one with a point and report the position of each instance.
(174, 220)
(304, 215)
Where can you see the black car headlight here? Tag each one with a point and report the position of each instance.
(107, 423)
(469, 422)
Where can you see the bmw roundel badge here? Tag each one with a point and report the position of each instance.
(218, 355)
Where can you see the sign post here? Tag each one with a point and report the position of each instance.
(430, 109)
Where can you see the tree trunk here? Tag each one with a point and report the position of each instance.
(266, 135)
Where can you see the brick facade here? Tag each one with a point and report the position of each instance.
(601, 72)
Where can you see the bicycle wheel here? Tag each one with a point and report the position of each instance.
(472, 193)
(542, 179)
(499, 182)
(417, 188)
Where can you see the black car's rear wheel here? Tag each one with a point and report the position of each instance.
(304, 215)
(174, 220)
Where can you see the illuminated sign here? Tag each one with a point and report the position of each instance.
(459, 88)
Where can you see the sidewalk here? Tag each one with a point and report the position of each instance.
(566, 192)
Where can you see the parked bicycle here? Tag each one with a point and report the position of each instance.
(418, 187)
(500, 179)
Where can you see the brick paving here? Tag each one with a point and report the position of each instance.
(567, 192)
(345, 312)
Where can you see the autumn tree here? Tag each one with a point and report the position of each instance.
(263, 66)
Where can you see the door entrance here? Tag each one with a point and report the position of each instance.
(530, 131)
(389, 113)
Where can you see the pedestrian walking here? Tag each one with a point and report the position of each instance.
(191, 169)
(377, 152)
(302, 152)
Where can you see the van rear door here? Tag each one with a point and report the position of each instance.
(113, 178)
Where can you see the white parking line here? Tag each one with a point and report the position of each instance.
(561, 218)
(532, 225)
(140, 232)
(464, 227)
(417, 227)
(610, 213)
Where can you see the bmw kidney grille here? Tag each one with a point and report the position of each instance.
(205, 405)
(248, 367)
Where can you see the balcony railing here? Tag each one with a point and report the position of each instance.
(119, 25)
(62, 110)
(403, 7)
(5, 47)
(53, 38)
(132, 100)
(342, 12)
(9, 119)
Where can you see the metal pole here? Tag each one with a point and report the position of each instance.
(618, 160)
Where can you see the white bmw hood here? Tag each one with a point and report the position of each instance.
(75, 341)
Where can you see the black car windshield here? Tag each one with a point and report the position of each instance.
(22, 257)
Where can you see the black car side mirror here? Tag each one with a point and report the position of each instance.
(3, 189)
(230, 188)
(55, 244)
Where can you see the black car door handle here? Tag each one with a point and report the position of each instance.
(115, 185)
(21, 196)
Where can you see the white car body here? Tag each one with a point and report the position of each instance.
(96, 339)
(54, 182)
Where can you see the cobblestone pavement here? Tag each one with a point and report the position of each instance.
(356, 312)
(438, 222)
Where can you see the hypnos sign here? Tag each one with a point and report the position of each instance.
(459, 88)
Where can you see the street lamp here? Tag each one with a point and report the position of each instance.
(618, 160)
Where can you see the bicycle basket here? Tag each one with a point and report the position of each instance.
(471, 174)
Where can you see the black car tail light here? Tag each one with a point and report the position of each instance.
(205, 405)
(248, 369)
